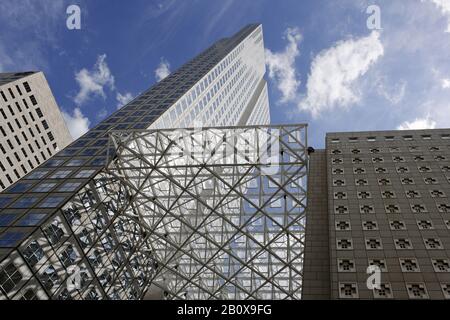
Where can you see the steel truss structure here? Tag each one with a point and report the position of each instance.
(222, 210)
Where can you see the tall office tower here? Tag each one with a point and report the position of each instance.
(64, 223)
(387, 207)
(32, 128)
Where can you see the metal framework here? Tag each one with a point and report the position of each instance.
(221, 209)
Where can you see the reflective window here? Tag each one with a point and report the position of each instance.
(51, 201)
(60, 174)
(84, 173)
(10, 276)
(69, 186)
(10, 239)
(31, 219)
(6, 219)
(33, 253)
(75, 162)
(44, 187)
(20, 187)
(37, 174)
(25, 202)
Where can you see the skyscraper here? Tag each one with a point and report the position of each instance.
(379, 199)
(31, 126)
(62, 220)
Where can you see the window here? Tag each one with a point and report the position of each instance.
(44, 124)
(33, 253)
(340, 209)
(25, 202)
(409, 265)
(69, 186)
(380, 263)
(397, 225)
(39, 112)
(10, 276)
(33, 100)
(369, 225)
(6, 219)
(69, 256)
(417, 291)
(75, 162)
(425, 225)
(31, 219)
(51, 201)
(26, 86)
(49, 278)
(441, 265)
(44, 187)
(402, 244)
(84, 173)
(346, 265)
(54, 232)
(37, 174)
(432, 243)
(418, 208)
(60, 174)
(348, 290)
(54, 163)
(10, 238)
(408, 138)
(344, 244)
(20, 187)
(373, 244)
(342, 225)
(392, 208)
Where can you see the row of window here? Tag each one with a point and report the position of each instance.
(399, 243)
(388, 181)
(349, 290)
(393, 208)
(390, 149)
(407, 137)
(406, 265)
(395, 159)
(388, 194)
(384, 170)
(395, 225)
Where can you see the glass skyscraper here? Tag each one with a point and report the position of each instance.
(62, 235)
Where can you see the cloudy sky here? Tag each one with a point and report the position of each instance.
(325, 66)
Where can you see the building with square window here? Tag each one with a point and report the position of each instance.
(387, 206)
(32, 128)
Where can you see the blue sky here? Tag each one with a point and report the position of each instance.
(325, 66)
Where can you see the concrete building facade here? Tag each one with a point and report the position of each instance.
(387, 206)
(32, 128)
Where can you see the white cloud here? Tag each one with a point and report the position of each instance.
(93, 81)
(445, 83)
(123, 99)
(334, 71)
(392, 93)
(77, 123)
(444, 6)
(163, 70)
(281, 65)
(417, 124)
